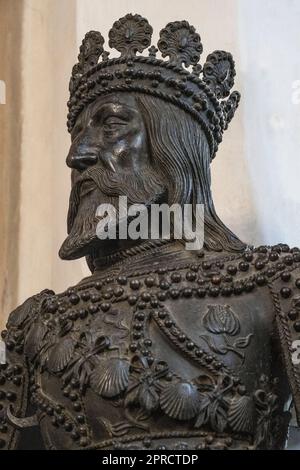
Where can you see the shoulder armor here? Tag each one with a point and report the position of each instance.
(28, 309)
(14, 376)
(285, 290)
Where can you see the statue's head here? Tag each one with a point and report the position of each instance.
(145, 128)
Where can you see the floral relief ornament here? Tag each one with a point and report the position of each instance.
(221, 320)
(221, 402)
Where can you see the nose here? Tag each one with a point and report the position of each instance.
(81, 161)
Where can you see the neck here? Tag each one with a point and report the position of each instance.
(99, 261)
(149, 255)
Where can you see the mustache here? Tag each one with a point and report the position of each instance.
(137, 186)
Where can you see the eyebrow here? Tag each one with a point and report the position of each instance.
(111, 103)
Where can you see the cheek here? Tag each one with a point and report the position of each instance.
(138, 142)
(131, 146)
(121, 149)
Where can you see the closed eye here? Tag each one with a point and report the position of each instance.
(114, 120)
(113, 123)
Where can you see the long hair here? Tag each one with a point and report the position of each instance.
(181, 155)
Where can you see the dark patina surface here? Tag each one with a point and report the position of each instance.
(161, 347)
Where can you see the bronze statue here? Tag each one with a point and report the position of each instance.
(160, 348)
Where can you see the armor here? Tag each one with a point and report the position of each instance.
(160, 347)
(163, 351)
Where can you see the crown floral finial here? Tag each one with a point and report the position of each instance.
(181, 43)
(219, 73)
(90, 50)
(130, 35)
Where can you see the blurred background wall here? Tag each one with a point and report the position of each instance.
(255, 175)
(10, 152)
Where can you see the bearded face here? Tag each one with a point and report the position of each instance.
(109, 157)
(139, 146)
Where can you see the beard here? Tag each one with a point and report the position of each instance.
(98, 186)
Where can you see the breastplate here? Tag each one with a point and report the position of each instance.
(177, 357)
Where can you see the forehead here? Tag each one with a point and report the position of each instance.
(116, 100)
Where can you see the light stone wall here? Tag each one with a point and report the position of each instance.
(49, 51)
(255, 174)
(10, 144)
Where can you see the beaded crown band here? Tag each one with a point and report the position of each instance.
(201, 91)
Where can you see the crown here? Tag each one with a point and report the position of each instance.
(204, 92)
